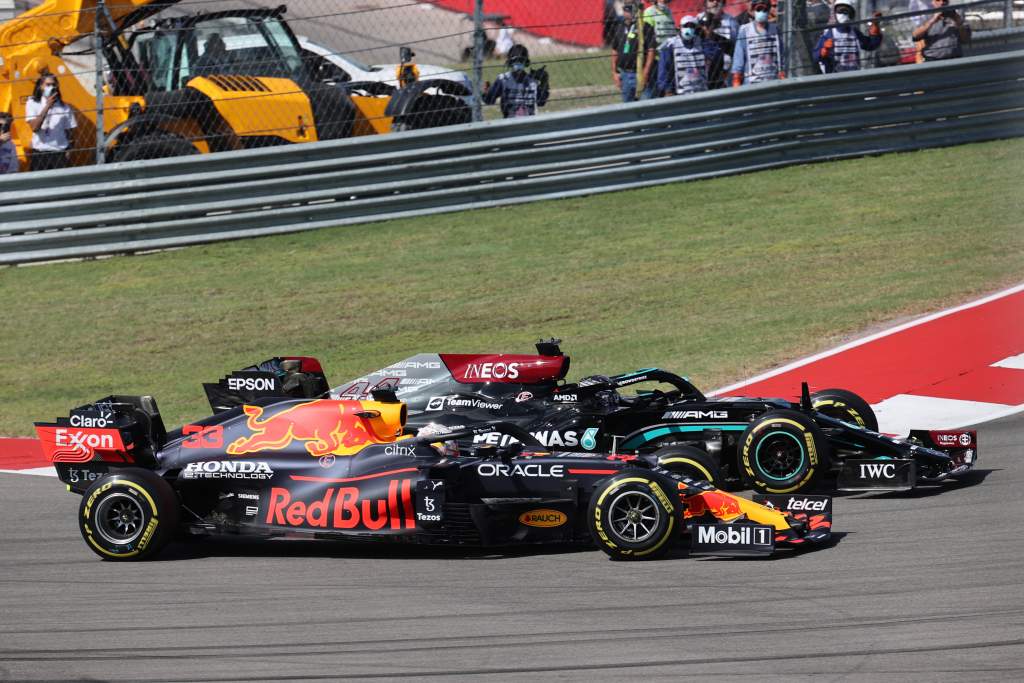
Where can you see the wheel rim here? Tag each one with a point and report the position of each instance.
(780, 456)
(119, 518)
(634, 516)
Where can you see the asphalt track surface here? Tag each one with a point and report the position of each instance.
(920, 586)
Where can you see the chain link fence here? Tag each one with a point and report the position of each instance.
(138, 79)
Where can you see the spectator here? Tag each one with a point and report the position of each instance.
(921, 6)
(943, 34)
(839, 46)
(660, 17)
(624, 55)
(519, 90)
(758, 54)
(724, 27)
(50, 120)
(686, 61)
(8, 153)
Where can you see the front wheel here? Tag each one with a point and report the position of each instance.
(128, 516)
(846, 406)
(783, 451)
(632, 517)
(691, 462)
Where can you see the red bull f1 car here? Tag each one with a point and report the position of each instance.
(347, 470)
(769, 444)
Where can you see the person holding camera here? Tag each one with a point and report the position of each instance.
(8, 153)
(943, 34)
(687, 61)
(723, 29)
(839, 46)
(50, 120)
(519, 90)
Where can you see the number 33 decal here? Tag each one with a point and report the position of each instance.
(203, 436)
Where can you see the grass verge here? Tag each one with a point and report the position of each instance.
(717, 279)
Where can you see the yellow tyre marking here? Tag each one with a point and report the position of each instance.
(658, 492)
(687, 461)
(146, 535)
(812, 453)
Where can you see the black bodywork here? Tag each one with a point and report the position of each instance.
(596, 414)
(343, 469)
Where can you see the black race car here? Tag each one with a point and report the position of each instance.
(340, 469)
(772, 445)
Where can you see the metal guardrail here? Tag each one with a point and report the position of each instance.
(165, 203)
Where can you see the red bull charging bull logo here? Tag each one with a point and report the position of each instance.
(328, 427)
(721, 505)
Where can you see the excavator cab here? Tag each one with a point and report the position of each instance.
(231, 80)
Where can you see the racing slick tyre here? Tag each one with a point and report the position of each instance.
(846, 406)
(129, 515)
(783, 451)
(691, 462)
(634, 515)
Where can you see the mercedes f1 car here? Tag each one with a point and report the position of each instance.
(341, 469)
(769, 444)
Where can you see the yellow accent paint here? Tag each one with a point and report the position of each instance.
(687, 461)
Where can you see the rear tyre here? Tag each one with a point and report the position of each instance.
(633, 516)
(691, 462)
(154, 145)
(783, 451)
(128, 516)
(846, 406)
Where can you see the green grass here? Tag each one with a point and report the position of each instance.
(717, 279)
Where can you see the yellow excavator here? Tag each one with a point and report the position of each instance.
(180, 85)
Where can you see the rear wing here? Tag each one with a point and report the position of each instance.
(278, 377)
(115, 429)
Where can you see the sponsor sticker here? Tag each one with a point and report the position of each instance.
(796, 502)
(543, 518)
(527, 469)
(227, 469)
(732, 539)
(695, 415)
(550, 438)
(877, 475)
(429, 502)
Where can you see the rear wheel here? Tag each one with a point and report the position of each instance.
(846, 406)
(154, 145)
(692, 462)
(783, 451)
(633, 517)
(128, 516)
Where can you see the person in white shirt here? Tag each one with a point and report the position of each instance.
(50, 120)
(8, 153)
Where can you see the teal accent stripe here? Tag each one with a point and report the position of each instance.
(641, 439)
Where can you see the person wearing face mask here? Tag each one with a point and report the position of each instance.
(686, 61)
(519, 90)
(758, 54)
(839, 46)
(720, 27)
(50, 120)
